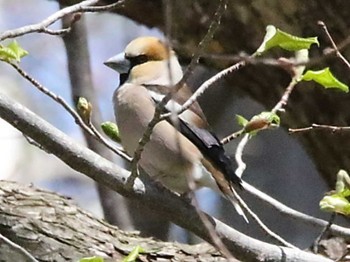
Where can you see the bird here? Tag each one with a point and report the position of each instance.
(178, 151)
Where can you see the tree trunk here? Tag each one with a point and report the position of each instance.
(52, 228)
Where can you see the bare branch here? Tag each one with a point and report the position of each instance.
(298, 216)
(332, 129)
(55, 32)
(323, 233)
(84, 6)
(158, 199)
(337, 52)
(268, 231)
(285, 97)
(70, 110)
(231, 137)
(207, 84)
(160, 107)
(241, 166)
(26, 256)
(53, 96)
(118, 150)
(215, 23)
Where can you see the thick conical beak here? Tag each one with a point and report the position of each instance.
(119, 63)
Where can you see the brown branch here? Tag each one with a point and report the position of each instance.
(337, 52)
(69, 109)
(160, 106)
(333, 129)
(17, 250)
(298, 216)
(144, 190)
(76, 46)
(53, 96)
(84, 6)
(22, 208)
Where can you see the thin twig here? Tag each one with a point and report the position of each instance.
(117, 150)
(329, 128)
(209, 226)
(274, 62)
(55, 32)
(208, 83)
(215, 23)
(175, 121)
(70, 110)
(292, 213)
(231, 137)
(285, 97)
(84, 6)
(337, 52)
(18, 249)
(261, 224)
(317, 241)
(160, 106)
(241, 166)
(55, 97)
(112, 176)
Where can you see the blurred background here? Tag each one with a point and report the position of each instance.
(276, 162)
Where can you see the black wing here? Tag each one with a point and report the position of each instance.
(211, 147)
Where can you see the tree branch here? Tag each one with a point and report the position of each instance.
(143, 190)
(84, 6)
(76, 44)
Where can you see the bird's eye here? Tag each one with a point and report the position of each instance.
(137, 60)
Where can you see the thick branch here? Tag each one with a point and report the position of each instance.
(56, 229)
(76, 44)
(144, 190)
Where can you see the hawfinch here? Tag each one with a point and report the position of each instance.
(172, 154)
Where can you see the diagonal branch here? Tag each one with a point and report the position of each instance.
(144, 190)
(160, 107)
(84, 6)
(17, 249)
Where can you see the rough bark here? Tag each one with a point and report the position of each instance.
(242, 29)
(144, 190)
(53, 228)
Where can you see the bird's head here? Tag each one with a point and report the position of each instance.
(146, 60)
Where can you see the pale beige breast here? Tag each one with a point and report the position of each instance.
(168, 156)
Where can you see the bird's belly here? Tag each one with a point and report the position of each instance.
(168, 157)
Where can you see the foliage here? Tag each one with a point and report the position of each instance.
(338, 200)
(134, 254)
(92, 259)
(13, 52)
(258, 122)
(111, 130)
(276, 38)
(325, 78)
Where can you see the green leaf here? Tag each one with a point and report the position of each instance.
(134, 254)
(7, 54)
(12, 51)
(277, 38)
(111, 130)
(325, 78)
(241, 120)
(335, 203)
(92, 259)
(17, 49)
